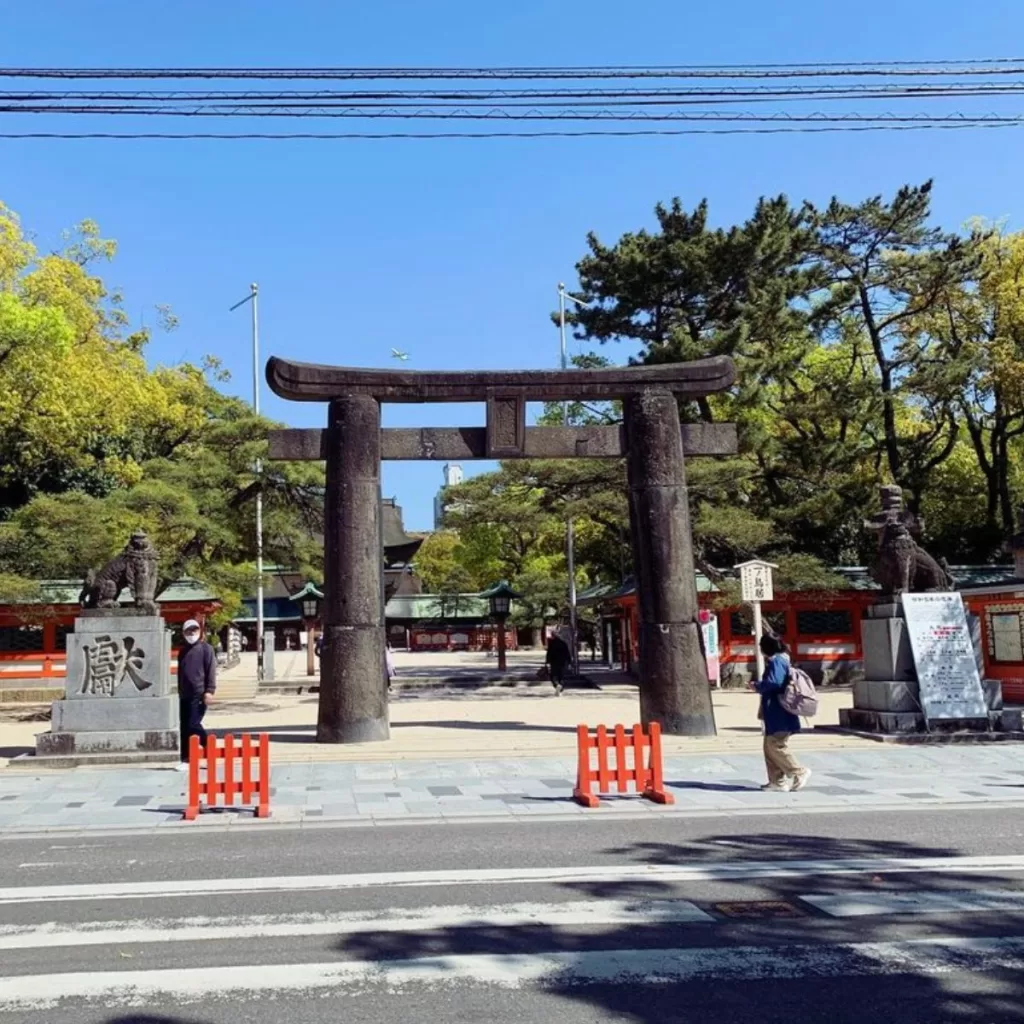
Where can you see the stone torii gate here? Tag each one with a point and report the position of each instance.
(674, 687)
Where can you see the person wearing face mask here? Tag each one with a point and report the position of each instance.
(197, 683)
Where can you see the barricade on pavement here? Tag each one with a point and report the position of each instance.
(239, 759)
(644, 773)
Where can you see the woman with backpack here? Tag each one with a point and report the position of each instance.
(785, 773)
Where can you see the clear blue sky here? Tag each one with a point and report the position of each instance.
(453, 249)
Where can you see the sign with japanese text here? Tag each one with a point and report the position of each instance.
(709, 627)
(756, 581)
(947, 671)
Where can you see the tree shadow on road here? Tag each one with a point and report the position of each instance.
(148, 1018)
(864, 990)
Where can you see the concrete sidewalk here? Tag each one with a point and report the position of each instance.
(420, 790)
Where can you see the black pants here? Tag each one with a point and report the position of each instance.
(557, 672)
(191, 710)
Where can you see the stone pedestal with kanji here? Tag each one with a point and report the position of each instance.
(118, 704)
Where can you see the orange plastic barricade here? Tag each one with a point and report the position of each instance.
(237, 779)
(628, 764)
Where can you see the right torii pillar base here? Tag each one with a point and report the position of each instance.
(674, 687)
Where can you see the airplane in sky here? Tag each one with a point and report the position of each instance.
(399, 355)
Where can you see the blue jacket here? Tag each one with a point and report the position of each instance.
(776, 718)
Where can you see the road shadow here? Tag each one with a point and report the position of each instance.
(583, 968)
(148, 1018)
(714, 787)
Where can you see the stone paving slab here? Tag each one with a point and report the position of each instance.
(386, 792)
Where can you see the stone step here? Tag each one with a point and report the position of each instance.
(236, 689)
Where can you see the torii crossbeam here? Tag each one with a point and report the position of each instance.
(674, 688)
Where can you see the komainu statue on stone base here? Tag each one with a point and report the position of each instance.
(135, 568)
(902, 566)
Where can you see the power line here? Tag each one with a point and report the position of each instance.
(584, 133)
(504, 114)
(889, 69)
(646, 95)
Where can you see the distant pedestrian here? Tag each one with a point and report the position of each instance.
(318, 645)
(197, 683)
(785, 773)
(557, 659)
(389, 663)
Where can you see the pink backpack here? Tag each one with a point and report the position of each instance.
(799, 696)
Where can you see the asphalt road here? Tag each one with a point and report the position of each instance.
(915, 917)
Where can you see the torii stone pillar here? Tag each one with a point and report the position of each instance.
(671, 646)
(674, 688)
(353, 678)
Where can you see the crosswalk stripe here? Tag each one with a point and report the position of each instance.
(512, 971)
(590, 913)
(628, 873)
(872, 903)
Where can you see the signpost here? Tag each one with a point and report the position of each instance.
(756, 581)
(947, 671)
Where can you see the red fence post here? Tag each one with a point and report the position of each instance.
(583, 793)
(194, 794)
(656, 788)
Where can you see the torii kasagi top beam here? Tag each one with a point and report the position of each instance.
(506, 394)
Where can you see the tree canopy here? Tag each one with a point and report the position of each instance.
(872, 347)
(94, 442)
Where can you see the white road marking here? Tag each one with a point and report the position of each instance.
(873, 903)
(40, 864)
(515, 971)
(592, 913)
(622, 873)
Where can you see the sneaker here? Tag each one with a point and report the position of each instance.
(776, 787)
(181, 767)
(801, 779)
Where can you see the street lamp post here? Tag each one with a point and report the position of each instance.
(311, 613)
(309, 600)
(253, 298)
(500, 597)
(570, 541)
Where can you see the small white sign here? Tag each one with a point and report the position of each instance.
(944, 656)
(756, 581)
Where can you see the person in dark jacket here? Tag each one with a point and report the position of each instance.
(557, 658)
(784, 771)
(197, 683)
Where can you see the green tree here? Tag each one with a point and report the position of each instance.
(94, 443)
(972, 357)
(884, 266)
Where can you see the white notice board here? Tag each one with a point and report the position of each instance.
(944, 656)
(756, 582)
